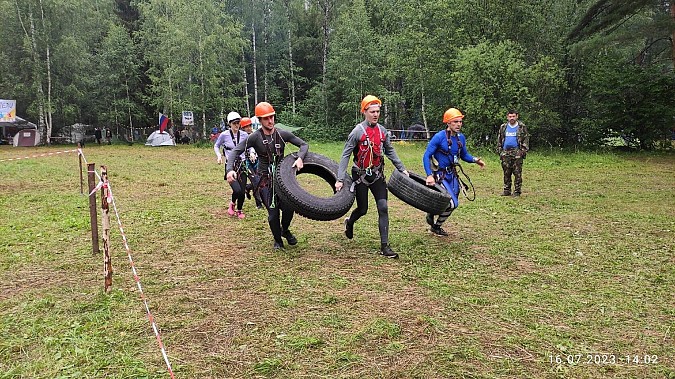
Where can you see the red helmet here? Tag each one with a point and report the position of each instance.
(264, 109)
(245, 121)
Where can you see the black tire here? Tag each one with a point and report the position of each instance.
(414, 191)
(307, 204)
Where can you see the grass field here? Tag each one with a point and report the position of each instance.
(567, 281)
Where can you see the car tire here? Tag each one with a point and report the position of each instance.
(307, 204)
(414, 191)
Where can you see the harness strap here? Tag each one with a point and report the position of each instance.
(364, 173)
(371, 151)
(441, 174)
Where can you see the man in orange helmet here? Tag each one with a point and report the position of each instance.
(269, 143)
(369, 142)
(447, 146)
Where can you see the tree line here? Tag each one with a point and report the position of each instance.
(579, 72)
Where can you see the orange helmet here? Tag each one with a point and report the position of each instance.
(368, 100)
(245, 121)
(452, 114)
(264, 109)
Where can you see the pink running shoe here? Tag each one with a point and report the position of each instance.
(230, 210)
(240, 214)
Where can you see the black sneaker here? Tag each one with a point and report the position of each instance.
(278, 245)
(506, 193)
(430, 219)
(289, 237)
(437, 230)
(387, 252)
(349, 229)
(516, 194)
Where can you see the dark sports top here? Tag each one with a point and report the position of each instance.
(269, 148)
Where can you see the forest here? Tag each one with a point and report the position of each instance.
(581, 73)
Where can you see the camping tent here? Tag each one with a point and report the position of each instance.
(76, 133)
(26, 137)
(160, 139)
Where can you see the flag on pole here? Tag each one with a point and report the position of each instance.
(163, 122)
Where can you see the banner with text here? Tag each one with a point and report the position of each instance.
(7, 110)
(187, 118)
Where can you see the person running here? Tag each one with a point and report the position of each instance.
(269, 143)
(227, 140)
(369, 142)
(251, 166)
(447, 146)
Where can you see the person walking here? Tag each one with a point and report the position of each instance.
(97, 135)
(227, 140)
(369, 143)
(513, 142)
(251, 164)
(269, 144)
(447, 147)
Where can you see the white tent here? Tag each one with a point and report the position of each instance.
(76, 133)
(160, 139)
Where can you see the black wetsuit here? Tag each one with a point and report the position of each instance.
(270, 150)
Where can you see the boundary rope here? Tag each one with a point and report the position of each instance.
(111, 200)
(40, 155)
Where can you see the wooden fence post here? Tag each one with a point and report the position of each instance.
(105, 217)
(92, 208)
(79, 158)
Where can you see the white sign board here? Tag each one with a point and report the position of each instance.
(7, 110)
(187, 118)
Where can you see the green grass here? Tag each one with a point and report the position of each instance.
(581, 264)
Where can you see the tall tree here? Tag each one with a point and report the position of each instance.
(648, 25)
(354, 65)
(193, 48)
(119, 79)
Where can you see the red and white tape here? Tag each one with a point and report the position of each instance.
(111, 200)
(41, 155)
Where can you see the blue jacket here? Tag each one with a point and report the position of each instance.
(438, 148)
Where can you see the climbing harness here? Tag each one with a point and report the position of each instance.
(275, 150)
(374, 170)
(452, 169)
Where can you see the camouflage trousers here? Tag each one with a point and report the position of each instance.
(512, 164)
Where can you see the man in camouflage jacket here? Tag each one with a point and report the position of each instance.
(513, 143)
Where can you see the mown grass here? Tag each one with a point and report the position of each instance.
(581, 264)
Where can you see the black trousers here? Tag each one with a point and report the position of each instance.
(239, 190)
(279, 214)
(380, 193)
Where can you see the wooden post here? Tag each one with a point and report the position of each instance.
(79, 158)
(92, 208)
(105, 217)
